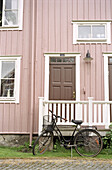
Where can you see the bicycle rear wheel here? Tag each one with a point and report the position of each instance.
(88, 143)
(42, 143)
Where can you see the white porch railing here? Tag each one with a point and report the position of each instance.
(91, 112)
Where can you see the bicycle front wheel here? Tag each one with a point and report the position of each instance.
(42, 143)
(88, 143)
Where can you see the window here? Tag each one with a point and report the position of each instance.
(9, 78)
(11, 13)
(93, 32)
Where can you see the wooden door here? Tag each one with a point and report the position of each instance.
(110, 86)
(62, 79)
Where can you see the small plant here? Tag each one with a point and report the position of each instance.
(25, 147)
(107, 140)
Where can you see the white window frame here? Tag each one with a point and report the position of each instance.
(47, 59)
(17, 60)
(77, 40)
(20, 18)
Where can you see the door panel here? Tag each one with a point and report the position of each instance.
(62, 81)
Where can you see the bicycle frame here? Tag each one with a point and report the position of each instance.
(61, 137)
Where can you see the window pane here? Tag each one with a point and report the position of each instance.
(11, 18)
(69, 60)
(110, 60)
(84, 31)
(52, 59)
(7, 88)
(59, 59)
(8, 69)
(11, 4)
(98, 31)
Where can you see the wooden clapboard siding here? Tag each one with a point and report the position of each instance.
(53, 32)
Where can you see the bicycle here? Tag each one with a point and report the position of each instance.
(86, 142)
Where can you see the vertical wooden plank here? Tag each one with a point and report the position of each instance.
(81, 111)
(63, 111)
(72, 111)
(103, 113)
(26, 36)
(108, 9)
(103, 12)
(91, 10)
(75, 10)
(9, 43)
(70, 26)
(82, 72)
(93, 70)
(59, 112)
(24, 100)
(95, 113)
(20, 42)
(38, 31)
(46, 25)
(11, 127)
(86, 9)
(39, 48)
(50, 106)
(54, 108)
(99, 114)
(1, 117)
(46, 109)
(64, 25)
(80, 9)
(98, 75)
(51, 26)
(6, 118)
(67, 117)
(14, 42)
(0, 42)
(57, 25)
(85, 113)
(17, 117)
(3, 42)
(98, 9)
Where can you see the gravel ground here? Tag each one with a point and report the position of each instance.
(55, 164)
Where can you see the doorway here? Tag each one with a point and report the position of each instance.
(62, 79)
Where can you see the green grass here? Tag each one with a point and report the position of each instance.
(8, 152)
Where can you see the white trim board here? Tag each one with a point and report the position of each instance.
(106, 77)
(46, 84)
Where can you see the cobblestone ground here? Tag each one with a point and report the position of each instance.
(55, 164)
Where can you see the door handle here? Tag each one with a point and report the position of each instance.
(74, 94)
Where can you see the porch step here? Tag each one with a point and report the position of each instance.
(68, 130)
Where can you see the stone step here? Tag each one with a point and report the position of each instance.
(68, 130)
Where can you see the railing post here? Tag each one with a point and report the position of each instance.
(90, 110)
(78, 112)
(107, 115)
(40, 114)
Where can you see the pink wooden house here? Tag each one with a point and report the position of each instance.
(55, 54)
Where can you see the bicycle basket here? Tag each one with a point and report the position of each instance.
(48, 123)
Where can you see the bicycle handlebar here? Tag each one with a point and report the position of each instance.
(57, 116)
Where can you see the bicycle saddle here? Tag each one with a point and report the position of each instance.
(77, 122)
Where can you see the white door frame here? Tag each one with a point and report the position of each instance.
(106, 77)
(47, 59)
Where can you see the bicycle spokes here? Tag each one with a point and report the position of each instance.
(88, 143)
